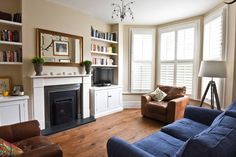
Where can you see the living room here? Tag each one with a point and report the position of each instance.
(165, 43)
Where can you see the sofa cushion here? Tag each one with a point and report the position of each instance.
(9, 149)
(160, 144)
(219, 140)
(33, 143)
(232, 107)
(157, 95)
(157, 107)
(184, 128)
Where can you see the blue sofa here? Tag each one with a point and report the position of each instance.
(201, 133)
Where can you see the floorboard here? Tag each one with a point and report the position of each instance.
(90, 140)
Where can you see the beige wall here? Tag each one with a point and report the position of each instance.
(47, 15)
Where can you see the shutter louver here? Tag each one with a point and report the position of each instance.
(167, 74)
(184, 76)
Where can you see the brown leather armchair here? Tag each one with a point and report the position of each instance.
(27, 136)
(168, 110)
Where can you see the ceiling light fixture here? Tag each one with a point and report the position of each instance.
(229, 1)
(121, 11)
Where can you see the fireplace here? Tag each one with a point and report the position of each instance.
(62, 106)
(44, 85)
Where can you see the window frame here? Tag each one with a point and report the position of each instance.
(222, 11)
(196, 57)
(153, 32)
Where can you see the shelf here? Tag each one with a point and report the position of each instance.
(104, 40)
(11, 63)
(10, 23)
(104, 53)
(111, 66)
(10, 43)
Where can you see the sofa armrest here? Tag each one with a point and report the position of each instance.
(53, 150)
(19, 131)
(119, 148)
(176, 108)
(201, 115)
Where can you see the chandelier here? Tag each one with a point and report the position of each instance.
(121, 11)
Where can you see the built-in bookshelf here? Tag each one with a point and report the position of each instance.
(103, 48)
(10, 42)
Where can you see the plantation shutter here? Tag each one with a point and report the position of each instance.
(142, 61)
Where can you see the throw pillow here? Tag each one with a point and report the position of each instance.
(8, 149)
(158, 95)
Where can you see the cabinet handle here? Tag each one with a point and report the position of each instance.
(109, 96)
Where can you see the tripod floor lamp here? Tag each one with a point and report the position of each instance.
(212, 69)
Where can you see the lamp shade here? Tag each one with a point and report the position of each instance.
(212, 69)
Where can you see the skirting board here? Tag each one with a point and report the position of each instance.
(131, 104)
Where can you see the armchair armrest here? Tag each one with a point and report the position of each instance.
(176, 108)
(201, 115)
(118, 148)
(53, 150)
(145, 98)
(20, 131)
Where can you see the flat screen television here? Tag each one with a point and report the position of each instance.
(102, 76)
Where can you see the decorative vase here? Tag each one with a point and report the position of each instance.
(38, 69)
(87, 69)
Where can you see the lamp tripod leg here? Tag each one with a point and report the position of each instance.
(212, 94)
(216, 96)
(205, 93)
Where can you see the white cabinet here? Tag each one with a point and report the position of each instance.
(13, 109)
(105, 100)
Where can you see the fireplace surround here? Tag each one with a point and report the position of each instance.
(39, 83)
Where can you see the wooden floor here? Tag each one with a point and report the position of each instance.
(90, 140)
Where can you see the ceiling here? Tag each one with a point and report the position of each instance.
(146, 12)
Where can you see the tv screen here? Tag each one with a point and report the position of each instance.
(102, 76)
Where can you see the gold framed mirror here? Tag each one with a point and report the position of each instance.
(59, 49)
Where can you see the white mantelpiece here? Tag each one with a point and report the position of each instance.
(39, 82)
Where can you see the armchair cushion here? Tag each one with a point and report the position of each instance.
(172, 92)
(8, 149)
(157, 107)
(158, 95)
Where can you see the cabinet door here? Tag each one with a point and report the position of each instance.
(101, 101)
(114, 98)
(10, 113)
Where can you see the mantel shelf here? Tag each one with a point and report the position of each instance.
(111, 66)
(59, 76)
(104, 40)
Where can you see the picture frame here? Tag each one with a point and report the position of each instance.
(17, 90)
(61, 48)
(64, 60)
(5, 84)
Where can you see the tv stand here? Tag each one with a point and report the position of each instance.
(105, 100)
